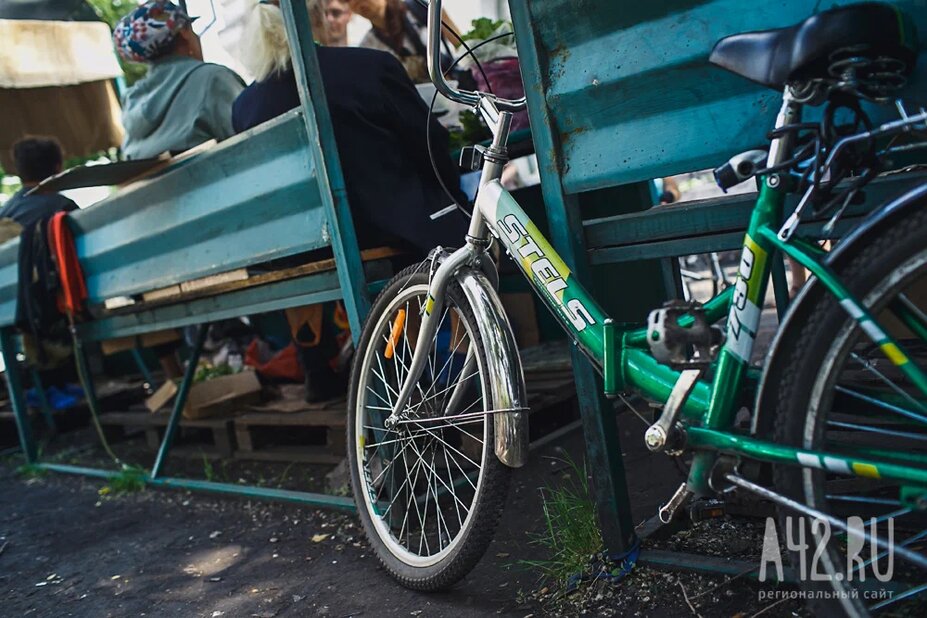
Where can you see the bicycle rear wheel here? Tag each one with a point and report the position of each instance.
(430, 489)
(841, 394)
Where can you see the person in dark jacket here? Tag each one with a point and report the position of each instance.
(380, 125)
(35, 158)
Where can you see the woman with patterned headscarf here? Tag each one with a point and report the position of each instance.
(182, 101)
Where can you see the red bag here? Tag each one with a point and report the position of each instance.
(283, 365)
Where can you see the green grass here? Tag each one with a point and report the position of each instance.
(208, 471)
(31, 471)
(571, 533)
(129, 480)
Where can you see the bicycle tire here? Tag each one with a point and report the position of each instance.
(491, 489)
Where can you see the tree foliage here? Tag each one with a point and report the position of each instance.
(111, 11)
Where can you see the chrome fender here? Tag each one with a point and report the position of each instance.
(507, 380)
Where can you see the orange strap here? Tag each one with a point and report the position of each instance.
(73, 292)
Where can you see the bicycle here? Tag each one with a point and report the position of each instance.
(437, 416)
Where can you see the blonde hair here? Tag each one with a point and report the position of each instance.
(265, 50)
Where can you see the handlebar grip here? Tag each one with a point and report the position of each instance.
(465, 97)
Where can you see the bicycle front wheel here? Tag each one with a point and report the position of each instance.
(429, 489)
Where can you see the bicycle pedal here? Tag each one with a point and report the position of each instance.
(710, 508)
(690, 345)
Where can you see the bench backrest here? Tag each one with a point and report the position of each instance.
(251, 199)
(628, 90)
(271, 192)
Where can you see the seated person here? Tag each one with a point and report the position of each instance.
(337, 16)
(182, 101)
(35, 159)
(400, 27)
(380, 124)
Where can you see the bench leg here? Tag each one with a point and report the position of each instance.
(243, 438)
(143, 369)
(47, 413)
(180, 401)
(153, 438)
(17, 399)
(604, 457)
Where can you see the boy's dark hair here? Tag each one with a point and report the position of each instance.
(37, 158)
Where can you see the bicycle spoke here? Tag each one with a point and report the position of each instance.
(452, 492)
(422, 536)
(868, 367)
(377, 395)
(895, 598)
(417, 384)
(435, 436)
(910, 315)
(884, 432)
(447, 464)
(439, 393)
(882, 404)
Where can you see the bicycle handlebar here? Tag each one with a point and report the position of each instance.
(465, 97)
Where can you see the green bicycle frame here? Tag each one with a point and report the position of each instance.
(624, 362)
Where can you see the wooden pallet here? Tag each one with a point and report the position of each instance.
(317, 432)
(548, 375)
(218, 432)
(314, 435)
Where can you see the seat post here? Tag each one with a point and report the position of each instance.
(790, 112)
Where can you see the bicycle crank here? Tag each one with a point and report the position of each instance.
(664, 434)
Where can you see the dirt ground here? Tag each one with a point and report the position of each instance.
(68, 551)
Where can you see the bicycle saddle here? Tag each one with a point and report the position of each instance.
(808, 50)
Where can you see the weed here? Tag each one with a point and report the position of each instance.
(208, 471)
(31, 471)
(571, 531)
(283, 475)
(129, 480)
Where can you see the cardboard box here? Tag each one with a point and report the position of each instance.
(161, 397)
(222, 395)
(213, 397)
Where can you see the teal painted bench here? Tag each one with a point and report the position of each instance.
(252, 199)
(276, 191)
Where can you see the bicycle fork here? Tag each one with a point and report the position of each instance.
(509, 401)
